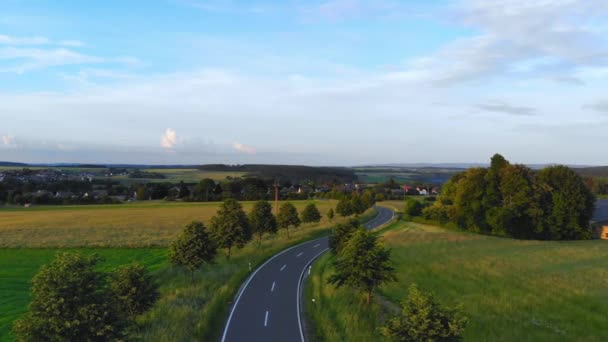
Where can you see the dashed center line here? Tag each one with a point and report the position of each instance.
(272, 288)
(266, 319)
(282, 268)
(317, 245)
(299, 255)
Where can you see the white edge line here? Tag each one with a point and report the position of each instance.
(299, 299)
(298, 294)
(242, 289)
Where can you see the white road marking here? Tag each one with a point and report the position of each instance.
(282, 268)
(266, 319)
(272, 288)
(299, 255)
(317, 245)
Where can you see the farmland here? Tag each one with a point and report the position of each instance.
(143, 224)
(187, 309)
(511, 290)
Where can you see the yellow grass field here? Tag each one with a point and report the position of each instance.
(128, 225)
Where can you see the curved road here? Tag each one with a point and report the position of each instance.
(267, 308)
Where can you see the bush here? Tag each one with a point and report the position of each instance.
(413, 207)
(423, 319)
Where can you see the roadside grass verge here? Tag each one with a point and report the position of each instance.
(511, 290)
(147, 224)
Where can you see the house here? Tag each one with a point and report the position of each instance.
(422, 191)
(603, 232)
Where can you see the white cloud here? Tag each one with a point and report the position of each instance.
(9, 40)
(9, 141)
(243, 148)
(169, 139)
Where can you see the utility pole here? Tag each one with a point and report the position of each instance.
(276, 196)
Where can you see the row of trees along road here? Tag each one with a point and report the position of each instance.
(232, 228)
(515, 201)
(73, 301)
(363, 263)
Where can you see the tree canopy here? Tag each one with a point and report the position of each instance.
(310, 214)
(193, 248)
(230, 226)
(261, 219)
(288, 216)
(513, 200)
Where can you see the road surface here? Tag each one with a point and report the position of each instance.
(267, 307)
(601, 210)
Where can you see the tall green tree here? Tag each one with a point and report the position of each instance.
(310, 214)
(330, 214)
(134, 290)
(193, 248)
(203, 191)
(423, 319)
(345, 207)
(262, 220)
(413, 207)
(69, 303)
(288, 216)
(570, 204)
(341, 233)
(230, 226)
(363, 264)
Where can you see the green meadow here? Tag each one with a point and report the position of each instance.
(511, 290)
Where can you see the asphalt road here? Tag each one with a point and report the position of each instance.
(267, 307)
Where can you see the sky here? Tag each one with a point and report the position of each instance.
(330, 82)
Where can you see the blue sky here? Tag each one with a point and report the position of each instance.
(332, 82)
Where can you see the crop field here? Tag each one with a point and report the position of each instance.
(146, 224)
(185, 175)
(511, 290)
(187, 310)
(18, 266)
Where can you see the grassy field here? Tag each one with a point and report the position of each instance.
(128, 225)
(185, 175)
(188, 310)
(18, 266)
(511, 290)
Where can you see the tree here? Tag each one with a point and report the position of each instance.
(288, 216)
(230, 226)
(413, 207)
(193, 248)
(311, 214)
(133, 289)
(341, 233)
(363, 264)
(423, 319)
(357, 205)
(330, 214)
(570, 204)
(262, 220)
(203, 191)
(344, 207)
(141, 192)
(69, 304)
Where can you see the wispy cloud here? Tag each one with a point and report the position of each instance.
(600, 106)
(169, 139)
(243, 148)
(502, 107)
(37, 40)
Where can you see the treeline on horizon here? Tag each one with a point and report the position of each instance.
(294, 173)
(515, 201)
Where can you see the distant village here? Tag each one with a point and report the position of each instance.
(29, 187)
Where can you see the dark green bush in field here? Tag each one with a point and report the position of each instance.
(72, 302)
(413, 207)
(311, 214)
(193, 248)
(423, 319)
